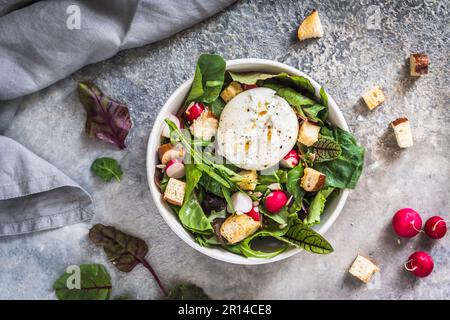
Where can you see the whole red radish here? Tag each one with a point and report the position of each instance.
(275, 201)
(194, 110)
(436, 227)
(406, 223)
(420, 264)
(254, 214)
(175, 169)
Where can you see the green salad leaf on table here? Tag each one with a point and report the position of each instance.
(239, 209)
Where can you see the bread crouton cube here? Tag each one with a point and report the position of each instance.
(205, 126)
(232, 90)
(174, 192)
(402, 131)
(312, 180)
(374, 97)
(308, 133)
(363, 269)
(418, 64)
(238, 227)
(310, 27)
(249, 180)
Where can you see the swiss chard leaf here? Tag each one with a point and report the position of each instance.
(249, 77)
(123, 250)
(187, 292)
(306, 238)
(344, 171)
(208, 79)
(107, 168)
(326, 149)
(107, 119)
(317, 206)
(293, 187)
(94, 283)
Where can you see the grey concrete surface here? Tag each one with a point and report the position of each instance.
(365, 43)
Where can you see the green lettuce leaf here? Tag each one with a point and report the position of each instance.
(317, 206)
(293, 187)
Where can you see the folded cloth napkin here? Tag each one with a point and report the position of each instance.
(42, 42)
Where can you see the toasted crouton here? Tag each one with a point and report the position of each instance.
(418, 64)
(310, 27)
(174, 192)
(312, 180)
(402, 131)
(249, 181)
(308, 134)
(374, 97)
(363, 269)
(205, 126)
(238, 227)
(232, 90)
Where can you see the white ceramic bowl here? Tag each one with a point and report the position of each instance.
(172, 105)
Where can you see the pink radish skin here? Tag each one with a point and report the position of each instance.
(420, 264)
(166, 130)
(436, 227)
(290, 160)
(406, 223)
(175, 169)
(194, 110)
(254, 214)
(275, 201)
(242, 203)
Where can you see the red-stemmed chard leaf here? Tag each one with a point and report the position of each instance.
(107, 119)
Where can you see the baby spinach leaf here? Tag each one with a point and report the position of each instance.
(297, 82)
(246, 249)
(317, 206)
(324, 101)
(187, 292)
(345, 170)
(294, 98)
(293, 187)
(107, 119)
(306, 238)
(249, 77)
(211, 185)
(94, 283)
(326, 149)
(208, 79)
(107, 168)
(217, 106)
(192, 216)
(193, 175)
(313, 111)
(123, 250)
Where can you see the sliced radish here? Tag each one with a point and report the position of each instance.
(436, 227)
(274, 186)
(420, 264)
(194, 110)
(166, 130)
(249, 86)
(254, 214)
(175, 169)
(406, 223)
(275, 201)
(290, 160)
(242, 203)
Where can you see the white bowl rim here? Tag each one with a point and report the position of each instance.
(177, 227)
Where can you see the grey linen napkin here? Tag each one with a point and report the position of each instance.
(40, 43)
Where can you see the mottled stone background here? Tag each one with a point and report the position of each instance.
(363, 45)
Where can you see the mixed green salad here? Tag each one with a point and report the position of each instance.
(224, 205)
